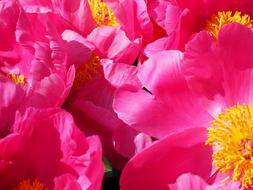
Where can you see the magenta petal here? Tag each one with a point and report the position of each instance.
(9, 13)
(161, 163)
(25, 154)
(236, 43)
(133, 17)
(202, 67)
(157, 11)
(238, 61)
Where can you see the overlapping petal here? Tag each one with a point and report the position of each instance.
(25, 154)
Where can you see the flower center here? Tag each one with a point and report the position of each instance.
(86, 72)
(16, 78)
(232, 136)
(102, 15)
(28, 185)
(222, 18)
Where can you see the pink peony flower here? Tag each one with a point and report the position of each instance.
(85, 15)
(88, 42)
(102, 60)
(209, 87)
(33, 63)
(177, 162)
(181, 19)
(47, 150)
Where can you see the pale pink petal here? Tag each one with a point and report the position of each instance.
(142, 141)
(76, 13)
(50, 91)
(119, 74)
(112, 43)
(11, 97)
(189, 182)
(78, 48)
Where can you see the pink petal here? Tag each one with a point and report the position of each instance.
(119, 74)
(66, 182)
(236, 42)
(11, 97)
(112, 43)
(202, 67)
(157, 11)
(161, 73)
(78, 48)
(9, 13)
(76, 13)
(92, 110)
(161, 163)
(133, 17)
(189, 182)
(159, 45)
(66, 151)
(159, 117)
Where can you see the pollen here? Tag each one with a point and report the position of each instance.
(222, 18)
(16, 78)
(28, 185)
(231, 135)
(86, 72)
(102, 15)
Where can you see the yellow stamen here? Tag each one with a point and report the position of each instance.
(28, 185)
(86, 72)
(16, 78)
(232, 137)
(222, 18)
(102, 15)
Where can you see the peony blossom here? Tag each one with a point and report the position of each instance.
(208, 86)
(180, 20)
(83, 16)
(177, 162)
(47, 151)
(33, 63)
(90, 100)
